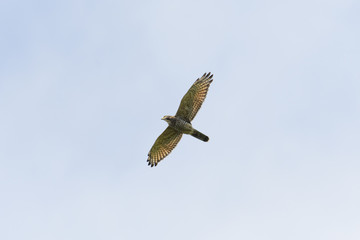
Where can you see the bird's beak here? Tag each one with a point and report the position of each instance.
(163, 118)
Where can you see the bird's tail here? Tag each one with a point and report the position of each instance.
(199, 135)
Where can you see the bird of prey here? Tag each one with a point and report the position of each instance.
(181, 122)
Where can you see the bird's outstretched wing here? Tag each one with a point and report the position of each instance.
(193, 99)
(163, 145)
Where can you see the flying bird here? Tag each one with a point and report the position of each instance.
(181, 123)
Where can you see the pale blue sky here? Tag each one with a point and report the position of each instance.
(84, 84)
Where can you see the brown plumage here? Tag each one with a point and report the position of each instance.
(181, 122)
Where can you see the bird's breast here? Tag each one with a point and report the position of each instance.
(181, 126)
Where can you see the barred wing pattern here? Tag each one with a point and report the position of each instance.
(193, 99)
(163, 146)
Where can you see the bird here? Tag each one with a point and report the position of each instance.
(181, 123)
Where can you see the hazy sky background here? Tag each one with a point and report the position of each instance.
(84, 84)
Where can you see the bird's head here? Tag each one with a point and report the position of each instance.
(167, 118)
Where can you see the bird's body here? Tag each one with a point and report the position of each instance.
(178, 124)
(181, 123)
(185, 127)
